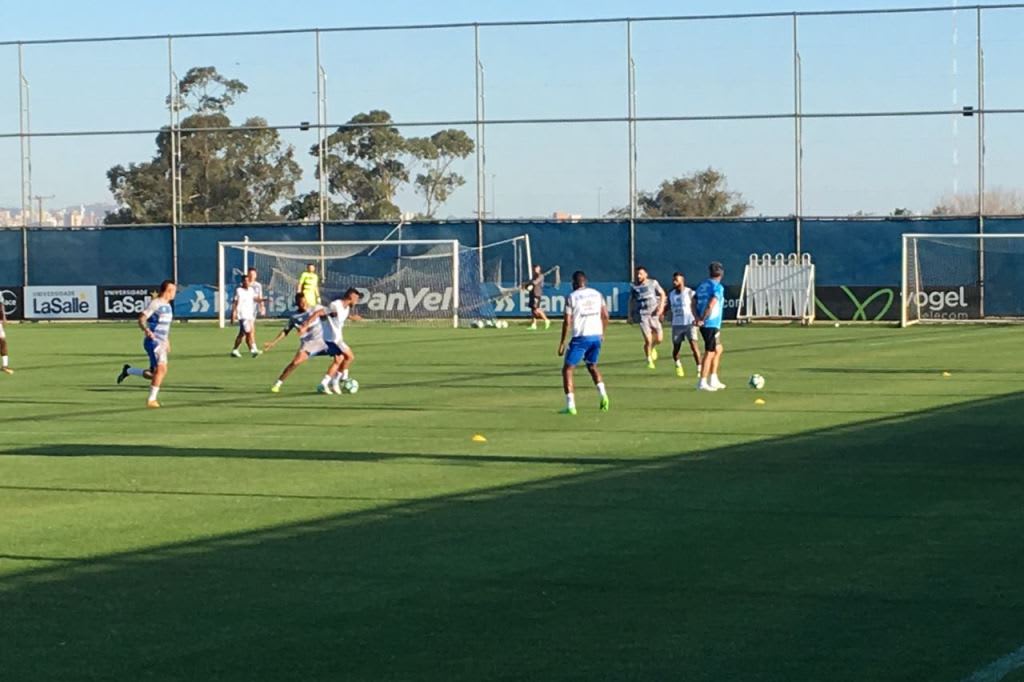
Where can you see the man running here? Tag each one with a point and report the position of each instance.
(683, 328)
(243, 311)
(535, 289)
(311, 339)
(647, 306)
(155, 323)
(335, 315)
(708, 307)
(587, 316)
(5, 361)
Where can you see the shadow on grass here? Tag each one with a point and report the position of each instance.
(877, 551)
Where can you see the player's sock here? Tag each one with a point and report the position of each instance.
(570, 401)
(4, 360)
(136, 372)
(679, 363)
(533, 325)
(344, 375)
(326, 380)
(547, 324)
(601, 389)
(153, 391)
(278, 384)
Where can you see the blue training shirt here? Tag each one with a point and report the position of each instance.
(159, 314)
(705, 291)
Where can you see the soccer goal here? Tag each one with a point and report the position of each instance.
(411, 280)
(962, 278)
(779, 287)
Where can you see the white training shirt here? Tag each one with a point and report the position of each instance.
(337, 313)
(682, 310)
(585, 305)
(245, 303)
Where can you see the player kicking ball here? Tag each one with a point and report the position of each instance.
(335, 315)
(5, 362)
(647, 302)
(155, 323)
(535, 288)
(710, 297)
(587, 316)
(681, 302)
(311, 339)
(243, 312)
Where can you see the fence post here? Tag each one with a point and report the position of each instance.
(631, 115)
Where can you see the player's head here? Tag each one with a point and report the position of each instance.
(641, 274)
(579, 279)
(245, 282)
(300, 302)
(536, 269)
(351, 296)
(167, 290)
(678, 280)
(715, 270)
(251, 275)
(311, 267)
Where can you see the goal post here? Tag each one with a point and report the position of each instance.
(957, 278)
(406, 280)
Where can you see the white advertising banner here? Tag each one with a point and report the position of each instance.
(72, 302)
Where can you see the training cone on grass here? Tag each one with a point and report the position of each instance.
(478, 438)
(946, 374)
(759, 401)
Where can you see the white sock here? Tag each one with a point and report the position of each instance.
(336, 380)
(714, 378)
(136, 372)
(344, 375)
(252, 349)
(570, 400)
(679, 363)
(153, 390)
(326, 380)
(278, 383)
(650, 359)
(601, 389)
(3, 361)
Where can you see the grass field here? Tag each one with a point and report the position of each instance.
(866, 523)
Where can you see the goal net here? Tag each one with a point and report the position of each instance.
(779, 287)
(420, 281)
(962, 278)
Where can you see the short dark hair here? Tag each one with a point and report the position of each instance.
(579, 278)
(716, 269)
(350, 291)
(164, 285)
(639, 268)
(299, 297)
(251, 270)
(678, 274)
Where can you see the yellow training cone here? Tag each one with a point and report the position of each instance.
(478, 438)
(946, 374)
(759, 401)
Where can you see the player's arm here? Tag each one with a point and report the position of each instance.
(693, 309)
(604, 317)
(566, 326)
(144, 318)
(662, 301)
(280, 335)
(3, 312)
(709, 310)
(355, 317)
(630, 309)
(234, 309)
(316, 315)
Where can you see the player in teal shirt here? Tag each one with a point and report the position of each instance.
(709, 303)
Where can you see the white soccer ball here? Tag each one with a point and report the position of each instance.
(502, 324)
(351, 386)
(756, 382)
(478, 324)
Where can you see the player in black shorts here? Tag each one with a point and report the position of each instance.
(535, 288)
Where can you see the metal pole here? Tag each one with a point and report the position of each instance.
(798, 151)
(981, 165)
(480, 203)
(21, 132)
(320, 138)
(631, 108)
(172, 105)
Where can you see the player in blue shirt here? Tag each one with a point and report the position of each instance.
(155, 323)
(709, 303)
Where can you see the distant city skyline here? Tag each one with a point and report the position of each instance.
(866, 63)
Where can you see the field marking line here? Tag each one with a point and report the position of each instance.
(1000, 668)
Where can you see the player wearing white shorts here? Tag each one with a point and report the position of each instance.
(311, 339)
(5, 361)
(243, 312)
(587, 316)
(647, 307)
(334, 317)
(681, 302)
(155, 323)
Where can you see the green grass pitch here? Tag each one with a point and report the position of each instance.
(866, 523)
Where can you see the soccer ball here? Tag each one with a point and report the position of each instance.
(478, 324)
(756, 382)
(501, 324)
(351, 386)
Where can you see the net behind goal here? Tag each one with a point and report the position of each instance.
(421, 281)
(962, 278)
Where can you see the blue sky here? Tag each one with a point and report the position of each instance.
(864, 63)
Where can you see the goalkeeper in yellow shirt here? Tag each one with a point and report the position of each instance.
(309, 285)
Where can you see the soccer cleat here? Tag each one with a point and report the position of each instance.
(605, 403)
(568, 410)
(706, 387)
(256, 353)
(152, 404)
(124, 374)
(235, 353)
(322, 390)
(533, 327)
(336, 388)
(680, 372)
(275, 389)
(654, 354)
(718, 385)
(547, 324)
(650, 364)
(6, 370)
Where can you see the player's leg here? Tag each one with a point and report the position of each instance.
(591, 357)
(5, 362)
(646, 332)
(331, 381)
(300, 357)
(573, 356)
(710, 337)
(250, 338)
(129, 371)
(157, 370)
(534, 311)
(719, 350)
(678, 335)
(695, 350)
(346, 358)
(239, 337)
(657, 336)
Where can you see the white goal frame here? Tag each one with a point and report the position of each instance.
(222, 298)
(978, 238)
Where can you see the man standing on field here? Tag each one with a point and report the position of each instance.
(647, 302)
(4, 360)
(709, 303)
(535, 288)
(587, 316)
(243, 311)
(309, 286)
(683, 328)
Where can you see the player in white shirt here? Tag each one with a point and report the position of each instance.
(333, 318)
(311, 339)
(681, 302)
(257, 289)
(4, 360)
(243, 311)
(587, 316)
